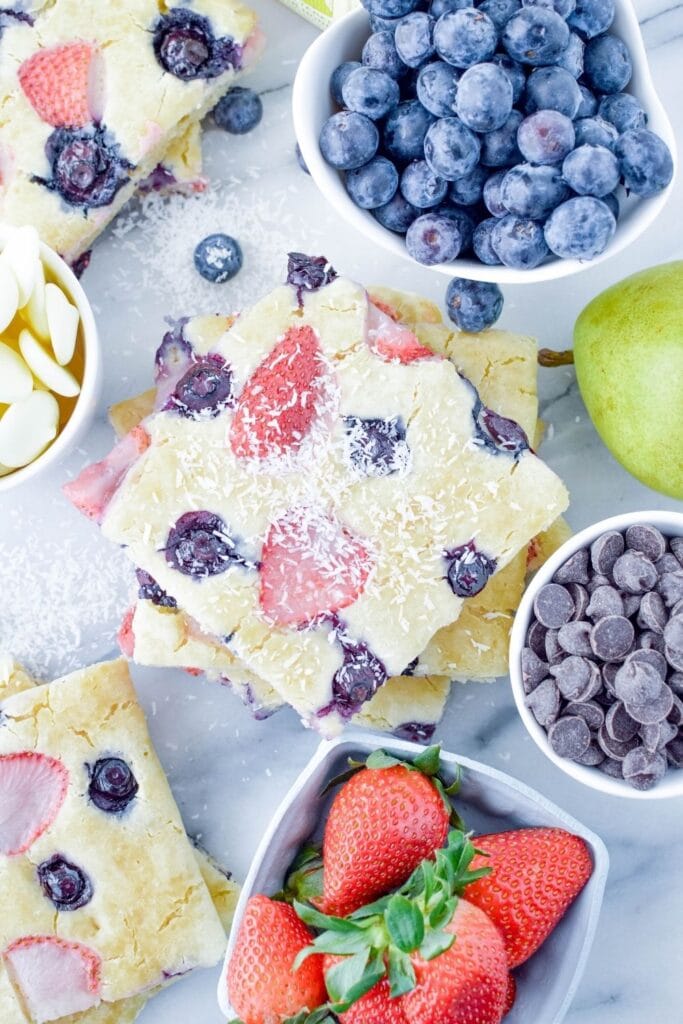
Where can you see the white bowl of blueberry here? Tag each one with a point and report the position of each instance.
(596, 656)
(511, 141)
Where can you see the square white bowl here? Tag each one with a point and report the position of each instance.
(312, 105)
(489, 800)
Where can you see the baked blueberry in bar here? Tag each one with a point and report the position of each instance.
(96, 96)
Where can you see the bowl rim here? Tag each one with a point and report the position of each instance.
(88, 397)
(329, 181)
(671, 785)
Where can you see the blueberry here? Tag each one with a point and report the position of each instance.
(239, 111)
(198, 545)
(87, 166)
(421, 187)
(589, 104)
(572, 57)
(499, 433)
(174, 352)
(405, 129)
(65, 885)
(396, 215)
(339, 76)
(433, 238)
(373, 184)
(370, 92)
(437, 85)
(492, 197)
(112, 785)
(607, 64)
(357, 680)
(580, 229)
(308, 273)
(348, 140)
(204, 390)
(439, 7)
(149, 590)
(481, 242)
(552, 89)
(465, 37)
(473, 305)
(532, 191)
(535, 36)
(484, 98)
(562, 7)
(413, 37)
(518, 242)
(186, 47)
(499, 148)
(380, 52)
(515, 73)
(623, 111)
(463, 221)
(595, 131)
(592, 17)
(376, 447)
(218, 258)
(451, 149)
(591, 171)
(389, 8)
(409, 84)
(415, 732)
(612, 200)
(645, 162)
(500, 11)
(300, 159)
(381, 24)
(468, 570)
(468, 191)
(545, 137)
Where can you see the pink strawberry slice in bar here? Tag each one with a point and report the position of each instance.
(62, 84)
(291, 390)
(311, 566)
(93, 489)
(32, 790)
(393, 341)
(55, 977)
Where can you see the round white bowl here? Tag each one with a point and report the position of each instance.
(671, 525)
(86, 404)
(312, 105)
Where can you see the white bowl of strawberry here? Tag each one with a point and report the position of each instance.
(369, 901)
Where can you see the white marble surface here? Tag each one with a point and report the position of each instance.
(62, 588)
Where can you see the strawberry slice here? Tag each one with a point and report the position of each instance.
(311, 565)
(292, 389)
(60, 84)
(32, 791)
(93, 489)
(391, 340)
(55, 977)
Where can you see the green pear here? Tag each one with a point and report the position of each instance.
(628, 351)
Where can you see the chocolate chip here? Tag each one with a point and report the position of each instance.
(569, 736)
(605, 551)
(675, 681)
(655, 710)
(636, 682)
(534, 670)
(619, 723)
(592, 714)
(674, 657)
(647, 539)
(652, 613)
(611, 767)
(649, 641)
(642, 769)
(670, 587)
(553, 606)
(657, 735)
(574, 570)
(535, 638)
(674, 752)
(580, 597)
(611, 637)
(651, 657)
(553, 651)
(667, 563)
(574, 675)
(634, 573)
(575, 638)
(631, 604)
(614, 748)
(609, 673)
(673, 633)
(675, 716)
(676, 545)
(605, 601)
(544, 702)
(677, 609)
(598, 581)
(592, 756)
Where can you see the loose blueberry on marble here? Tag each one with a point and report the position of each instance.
(239, 111)
(113, 785)
(484, 97)
(437, 86)
(87, 166)
(308, 273)
(433, 238)
(397, 215)
(65, 884)
(552, 88)
(591, 171)
(474, 306)
(339, 76)
(374, 184)
(379, 52)
(348, 140)
(645, 161)
(149, 590)
(519, 242)
(186, 47)
(198, 545)
(358, 678)
(581, 228)
(377, 447)
(218, 258)
(370, 92)
(421, 186)
(607, 64)
(545, 137)
(465, 37)
(468, 570)
(204, 390)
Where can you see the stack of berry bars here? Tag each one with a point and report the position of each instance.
(318, 493)
(95, 97)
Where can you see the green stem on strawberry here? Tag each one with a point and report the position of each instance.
(305, 877)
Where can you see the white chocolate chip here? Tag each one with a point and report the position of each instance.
(62, 320)
(9, 295)
(27, 428)
(54, 376)
(16, 382)
(22, 253)
(34, 312)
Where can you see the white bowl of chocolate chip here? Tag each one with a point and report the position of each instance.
(596, 656)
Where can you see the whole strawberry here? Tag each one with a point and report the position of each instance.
(375, 1007)
(263, 988)
(536, 873)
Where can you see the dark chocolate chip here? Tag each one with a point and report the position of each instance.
(655, 710)
(580, 597)
(535, 638)
(544, 702)
(604, 601)
(598, 581)
(670, 587)
(592, 756)
(592, 714)
(605, 551)
(574, 676)
(676, 545)
(642, 769)
(674, 752)
(574, 570)
(611, 767)
(553, 605)
(657, 735)
(614, 748)
(553, 651)
(675, 716)
(674, 657)
(667, 563)
(534, 670)
(609, 673)
(634, 573)
(569, 736)
(636, 682)
(631, 604)
(575, 638)
(675, 681)
(649, 641)
(652, 613)
(611, 637)
(619, 723)
(647, 539)
(651, 657)
(673, 633)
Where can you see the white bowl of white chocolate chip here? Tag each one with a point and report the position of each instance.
(50, 366)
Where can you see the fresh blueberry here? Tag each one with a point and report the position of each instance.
(439, 7)
(437, 85)
(591, 171)
(204, 390)
(415, 732)
(149, 590)
(499, 433)
(562, 7)
(370, 92)
(571, 59)
(408, 84)
(348, 140)
(580, 229)
(499, 148)
(531, 191)
(65, 885)
(492, 195)
(421, 187)
(465, 37)
(607, 64)
(404, 131)
(515, 73)
(468, 191)
(377, 447)
(187, 48)
(174, 352)
(589, 104)
(414, 38)
(381, 24)
(623, 111)
(545, 137)
(552, 89)
(612, 200)
(112, 785)
(373, 184)
(339, 76)
(300, 159)
(481, 242)
(645, 162)
(198, 545)
(308, 273)
(595, 131)
(218, 258)
(87, 166)
(389, 8)
(592, 17)
(484, 98)
(473, 305)
(463, 221)
(518, 242)
(535, 36)
(500, 11)
(396, 215)
(357, 680)
(451, 148)
(433, 238)
(239, 111)
(380, 52)
(468, 569)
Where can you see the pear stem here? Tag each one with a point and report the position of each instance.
(548, 357)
